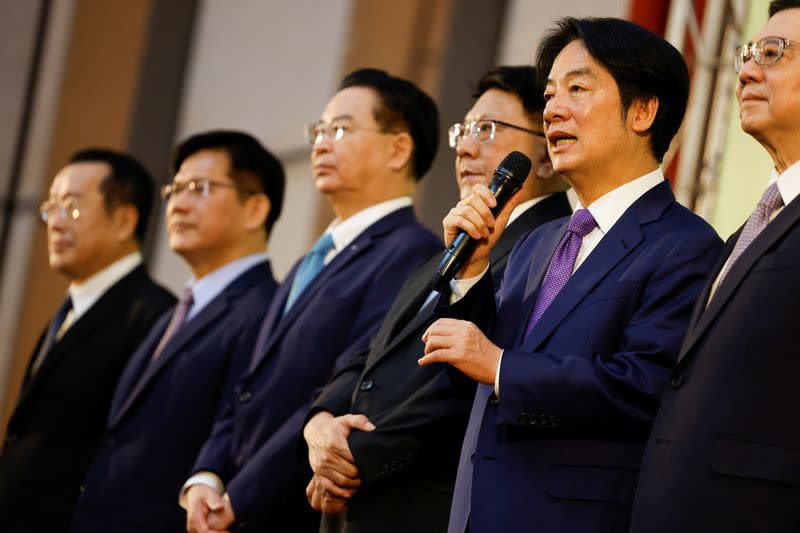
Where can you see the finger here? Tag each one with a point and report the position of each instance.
(359, 422)
(478, 215)
(482, 191)
(455, 222)
(438, 356)
(327, 486)
(480, 207)
(214, 502)
(340, 479)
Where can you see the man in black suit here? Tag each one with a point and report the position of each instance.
(96, 218)
(723, 453)
(418, 413)
(225, 195)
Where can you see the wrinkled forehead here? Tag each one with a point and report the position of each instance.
(784, 24)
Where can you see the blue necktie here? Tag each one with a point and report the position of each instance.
(313, 262)
(58, 321)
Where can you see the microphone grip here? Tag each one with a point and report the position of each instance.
(462, 247)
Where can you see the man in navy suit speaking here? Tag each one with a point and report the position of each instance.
(592, 309)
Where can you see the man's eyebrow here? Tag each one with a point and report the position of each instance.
(580, 71)
(342, 117)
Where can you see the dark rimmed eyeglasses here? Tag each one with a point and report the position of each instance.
(482, 131)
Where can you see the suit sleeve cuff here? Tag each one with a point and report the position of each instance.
(209, 479)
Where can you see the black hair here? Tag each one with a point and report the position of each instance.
(404, 107)
(642, 64)
(252, 165)
(128, 183)
(519, 80)
(776, 6)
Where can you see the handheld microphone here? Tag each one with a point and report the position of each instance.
(507, 180)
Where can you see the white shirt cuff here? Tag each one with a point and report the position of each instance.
(497, 376)
(460, 287)
(209, 479)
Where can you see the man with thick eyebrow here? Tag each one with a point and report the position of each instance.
(723, 454)
(592, 309)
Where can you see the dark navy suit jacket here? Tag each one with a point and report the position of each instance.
(724, 454)
(163, 411)
(255, 446)
(561, 448)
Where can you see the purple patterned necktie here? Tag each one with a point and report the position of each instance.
(770, 201)
(558, 273)
(178, 317)
(562, 263)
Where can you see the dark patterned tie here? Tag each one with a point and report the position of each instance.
(52, 333)
(309, 268)
(770, 201)
(178, 318)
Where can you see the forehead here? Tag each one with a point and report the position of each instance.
(497, 104)
(574, 60)
(357, 103)
(204, 163)
(79, 178)
(784, 24)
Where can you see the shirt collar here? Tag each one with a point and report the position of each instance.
(788, 182)
(607, 209)
(84, 295)
(212, 284)
(524, 206)
(343, 232)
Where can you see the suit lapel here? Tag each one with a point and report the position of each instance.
(622, 238)
(783, 222)
(278, 323)
(86, 329)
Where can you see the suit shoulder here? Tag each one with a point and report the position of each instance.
(686, 222)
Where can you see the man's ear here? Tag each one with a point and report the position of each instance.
(256, 210)
(642, 114)
(401, 149)
(124, 219)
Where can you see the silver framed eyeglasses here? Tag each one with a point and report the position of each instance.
(198, 187)
(482, 131)
(335, 131)
(68, 210)
(767, 51)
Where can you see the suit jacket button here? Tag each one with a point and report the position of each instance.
(676, 381)
(366, 385)
(245, 396)
(493, 401)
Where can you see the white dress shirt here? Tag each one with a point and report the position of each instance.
(211, 285)
(789, 187)
(85, 294)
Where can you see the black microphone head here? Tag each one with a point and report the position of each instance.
(515, 166)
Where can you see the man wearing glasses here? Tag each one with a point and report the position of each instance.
(376, 138)
(723, 454)
(96, 218)
(224, 198)
(418, 413)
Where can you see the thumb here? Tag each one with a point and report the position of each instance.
(214, 502)
(359, 422)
